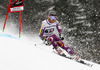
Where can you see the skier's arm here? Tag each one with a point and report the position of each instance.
(59, 28)
(41, 32)
(60, 31)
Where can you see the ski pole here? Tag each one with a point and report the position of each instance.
(39, 44)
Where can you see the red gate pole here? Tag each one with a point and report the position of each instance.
(5, 21)
(9, 1)
(6, 16)
(20, 24)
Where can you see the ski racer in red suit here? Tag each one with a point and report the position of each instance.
(47, 34)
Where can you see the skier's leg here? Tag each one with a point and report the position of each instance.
(52, 40)
(55, 41)
(61, 44)
(68, 49)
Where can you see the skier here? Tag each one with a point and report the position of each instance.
(50, 38)
(17, 3)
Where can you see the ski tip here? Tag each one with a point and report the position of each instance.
(88, 64)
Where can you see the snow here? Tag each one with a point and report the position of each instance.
(2, 7)
(81, 17)
(22, 54)
(79, 22)
(70, 29)
(81, 10)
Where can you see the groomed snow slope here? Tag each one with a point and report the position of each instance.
(22, 54)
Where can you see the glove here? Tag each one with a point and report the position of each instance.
(46, 42)
(61, 38)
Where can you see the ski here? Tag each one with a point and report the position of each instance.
(68, 57)
(81, 61)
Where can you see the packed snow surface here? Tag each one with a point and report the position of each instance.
(26, 54)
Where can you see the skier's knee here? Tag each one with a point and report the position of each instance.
(69, 50)
(60, 44)
(50, 39)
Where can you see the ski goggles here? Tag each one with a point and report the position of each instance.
(52, 17)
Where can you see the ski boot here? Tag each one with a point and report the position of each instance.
(76, 58)
(59, 51)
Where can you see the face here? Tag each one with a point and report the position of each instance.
(52, 19)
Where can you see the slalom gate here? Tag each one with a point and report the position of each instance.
(12, 8)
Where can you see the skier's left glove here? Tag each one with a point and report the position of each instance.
(61, 38)
(46, 42)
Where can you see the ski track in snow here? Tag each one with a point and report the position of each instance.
(22, 54)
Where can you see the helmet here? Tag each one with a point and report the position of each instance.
(52, 13)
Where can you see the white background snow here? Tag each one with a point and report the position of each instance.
(22, 54)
